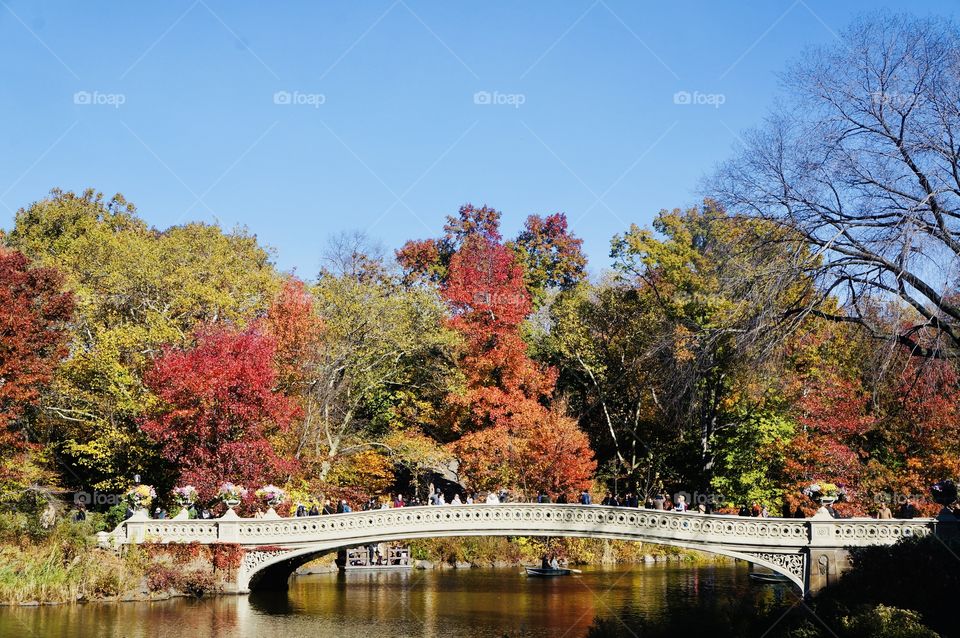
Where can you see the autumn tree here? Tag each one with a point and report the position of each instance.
(34, 312)
(550, 256)
(600, 342)
(486, 292)
(217, 408)
(722, 296)
(427, 260)
(508, 430)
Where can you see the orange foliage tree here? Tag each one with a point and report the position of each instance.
(509, 434)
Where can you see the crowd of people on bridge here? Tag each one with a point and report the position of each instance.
(453, 496)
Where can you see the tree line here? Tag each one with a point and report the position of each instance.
(801, 324)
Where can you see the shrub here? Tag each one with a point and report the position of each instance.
(885, 622)
(162, 578)
(196, 582)
(918, 574)
(114, 516)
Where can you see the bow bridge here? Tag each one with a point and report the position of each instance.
(809, 552)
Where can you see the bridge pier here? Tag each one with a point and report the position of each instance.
(825, 566)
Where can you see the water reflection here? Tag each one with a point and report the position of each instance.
(646, 600)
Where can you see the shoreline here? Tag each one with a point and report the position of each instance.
(142, 594)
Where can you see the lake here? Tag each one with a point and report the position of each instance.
(641, 600)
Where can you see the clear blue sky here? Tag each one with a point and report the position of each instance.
(399, 139)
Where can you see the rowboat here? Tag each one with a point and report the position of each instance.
(540, 572)
(767, 577)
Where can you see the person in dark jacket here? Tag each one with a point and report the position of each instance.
(907, 510)
(585, 498)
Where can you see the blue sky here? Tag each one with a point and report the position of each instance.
(303, 119)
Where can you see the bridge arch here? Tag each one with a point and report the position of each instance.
(271, 568)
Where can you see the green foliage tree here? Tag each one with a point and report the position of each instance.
(369, 360)
(722, 296)
(599, 341)
(751, 459)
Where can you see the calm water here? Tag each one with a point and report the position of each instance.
(644, 600)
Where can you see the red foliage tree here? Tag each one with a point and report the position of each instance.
(549, 255)
(218, 408)
(928, 395)
(836, 407)
(831, 446)
(486, 292)
(483, 222)
(33, 315)
(429, 259)
(923, 430)
(420, 260)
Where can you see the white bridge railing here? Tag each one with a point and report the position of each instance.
(521, 518)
